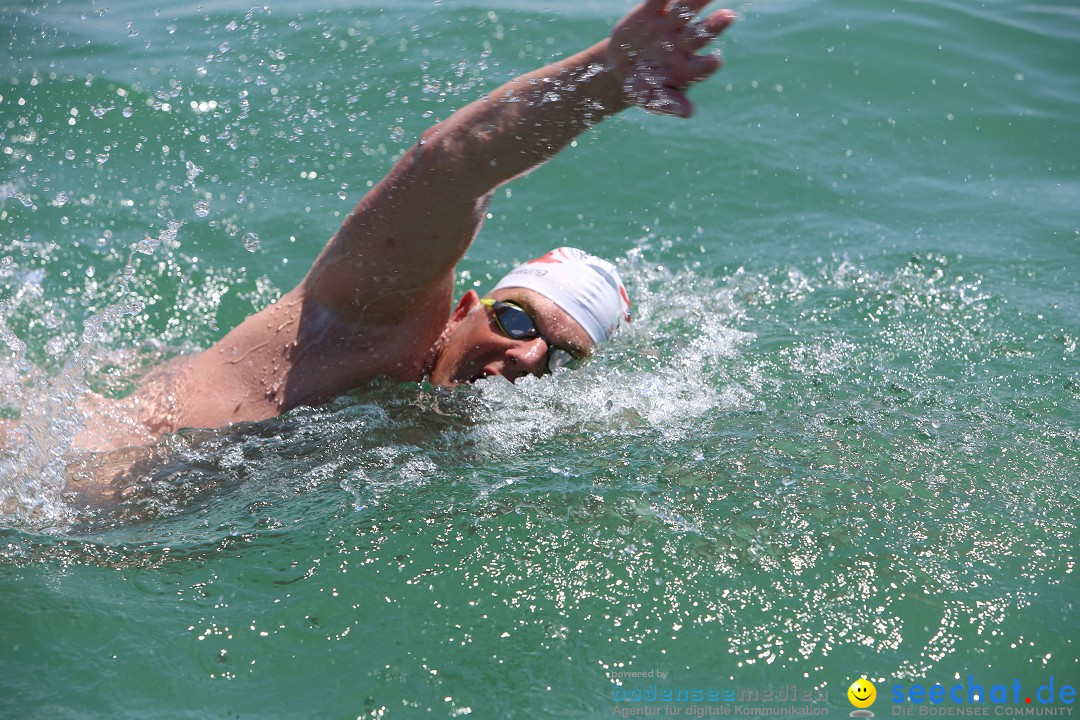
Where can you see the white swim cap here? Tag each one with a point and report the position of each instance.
(586, 287)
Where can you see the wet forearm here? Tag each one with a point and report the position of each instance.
(525, 121)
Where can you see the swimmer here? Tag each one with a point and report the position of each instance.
(378, 301)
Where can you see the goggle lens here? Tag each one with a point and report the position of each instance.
(517, 324)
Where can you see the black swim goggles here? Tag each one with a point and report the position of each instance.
(517, 324)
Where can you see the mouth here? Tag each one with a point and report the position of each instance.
(493, 369)
(485, 372)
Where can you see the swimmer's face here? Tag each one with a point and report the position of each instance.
(862, 693)
(476, 347)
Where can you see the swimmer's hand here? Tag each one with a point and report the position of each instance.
(653, 53)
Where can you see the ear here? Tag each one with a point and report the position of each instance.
(465, 305)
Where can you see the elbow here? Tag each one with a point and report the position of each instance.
(436, 149)
(447, 155)
(432, 155)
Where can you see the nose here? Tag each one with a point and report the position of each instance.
(526, 357)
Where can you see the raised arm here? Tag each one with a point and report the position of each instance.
(401, 242)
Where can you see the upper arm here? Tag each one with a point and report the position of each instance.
(400, 243)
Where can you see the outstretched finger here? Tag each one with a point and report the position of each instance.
(698, 35)
(681, 13)
(697, 68)
(695, 6)
(669, 101)
(656, 7)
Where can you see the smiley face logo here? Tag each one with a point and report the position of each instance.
(862, 693)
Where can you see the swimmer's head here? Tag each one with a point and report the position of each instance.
(586, 287)
(554, 307)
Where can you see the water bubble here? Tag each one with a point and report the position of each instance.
(69, 154)
(127, 112)
(202, 208)
(56, 346)
(61, 199)
(251, 242)
(169, 233)
(193, 171)
(148, 245)
(253, 162)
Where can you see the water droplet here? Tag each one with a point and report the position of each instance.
(251, 242)
(148, 245)
(202, 208)
(193, 171)
(55, 346)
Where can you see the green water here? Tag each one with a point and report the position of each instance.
(840, 438)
